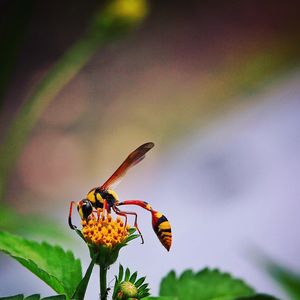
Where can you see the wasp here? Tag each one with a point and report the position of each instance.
(104, 197)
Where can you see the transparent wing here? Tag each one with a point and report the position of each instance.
(133, 158)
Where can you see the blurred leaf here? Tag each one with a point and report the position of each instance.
(206, 284)
(29, 225)
(288, 280)
(116, 19)
(59, 269)
(258, 297)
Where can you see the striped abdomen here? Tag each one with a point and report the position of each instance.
(162, 228)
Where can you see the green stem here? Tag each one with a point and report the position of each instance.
(103, 284)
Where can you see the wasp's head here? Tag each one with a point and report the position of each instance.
(84, 208)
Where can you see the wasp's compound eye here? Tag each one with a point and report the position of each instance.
(86, 208)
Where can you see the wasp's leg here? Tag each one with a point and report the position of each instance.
(105, 209)
(98, 212)
(140, 203)
(120, 213)
(124, 214)
(70, 215)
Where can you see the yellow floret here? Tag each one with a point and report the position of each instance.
(104, 230)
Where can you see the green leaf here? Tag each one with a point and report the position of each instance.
(17, 297)
(160, 298)
(204, 285)
(144, 286)
(59, 269)
(121, 272)
(21, 224)
(287, 279)
(133, 277)
(258, 297)
(131, 230)
(81, 288)
(132, 237)
(33, 297)
(140, 281)
(127, 274)
(58, 297)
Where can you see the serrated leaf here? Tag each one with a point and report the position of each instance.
(56, 267)
(127, 274)
(133, 277)
(204, 285)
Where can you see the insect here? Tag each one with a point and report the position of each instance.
(105, 198)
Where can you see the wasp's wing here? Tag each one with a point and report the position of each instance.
(133, 158)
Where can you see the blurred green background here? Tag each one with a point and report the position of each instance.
(214, 84)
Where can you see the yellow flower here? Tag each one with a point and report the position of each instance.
(103, 230)
(105, 236)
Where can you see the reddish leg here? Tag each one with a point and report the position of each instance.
(105, 207)
(70, 215)
(124, 214)
(120, 213)
(140, 203)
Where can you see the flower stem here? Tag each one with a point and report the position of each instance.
(103, 288)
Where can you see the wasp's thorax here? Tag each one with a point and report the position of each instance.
(97, 196)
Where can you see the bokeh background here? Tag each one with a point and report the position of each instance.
(214, 84)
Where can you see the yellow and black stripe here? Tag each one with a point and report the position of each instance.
(162, 228)
(97, 197)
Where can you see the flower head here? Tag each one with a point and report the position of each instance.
(105, 236)
(127, 286)
(104, 231)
